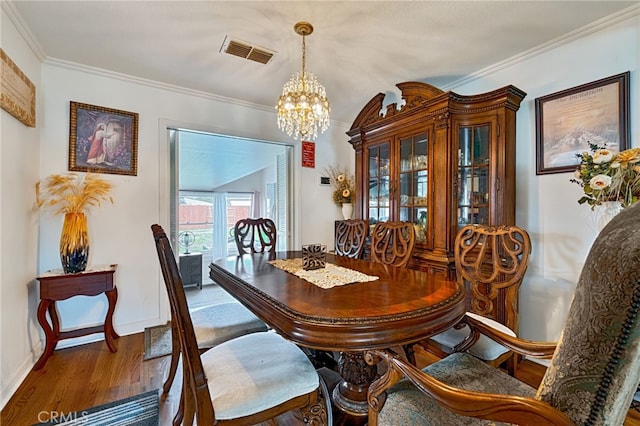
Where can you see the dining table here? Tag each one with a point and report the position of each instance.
(348, 306)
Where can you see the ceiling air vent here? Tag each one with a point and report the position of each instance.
(247, 50)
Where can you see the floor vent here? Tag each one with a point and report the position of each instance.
(247, 51)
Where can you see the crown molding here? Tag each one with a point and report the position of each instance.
(592, 28)
(16, 19)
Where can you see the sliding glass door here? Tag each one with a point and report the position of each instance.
(218, 180)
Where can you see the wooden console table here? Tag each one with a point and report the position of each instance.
(55, 285)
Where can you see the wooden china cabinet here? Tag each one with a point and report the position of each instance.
(441, 161)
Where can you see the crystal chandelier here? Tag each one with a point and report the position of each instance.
(303, 107)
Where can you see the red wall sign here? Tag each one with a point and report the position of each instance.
(308, 154)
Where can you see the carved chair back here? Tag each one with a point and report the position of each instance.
(350, 237)
(491, 262)
(392, 243)
(255, 235)
(195, 390)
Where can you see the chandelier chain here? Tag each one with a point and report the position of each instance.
(304, 60)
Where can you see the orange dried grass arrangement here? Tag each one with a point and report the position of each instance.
(72, 193)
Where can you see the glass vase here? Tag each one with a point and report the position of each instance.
(606, 212)
(74, 243)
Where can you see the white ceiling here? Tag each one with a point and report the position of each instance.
(357, 50)
(208, 162)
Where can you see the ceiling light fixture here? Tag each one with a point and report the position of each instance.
(303, 107)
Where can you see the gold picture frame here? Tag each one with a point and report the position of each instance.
(103, 140)
(568, 121)
(17, 92)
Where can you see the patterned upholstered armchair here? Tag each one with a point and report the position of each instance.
(594, 369)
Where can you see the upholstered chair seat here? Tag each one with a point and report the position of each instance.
(256, 372)
(406, 405)
(484, 348)
(592, 376)
(219, 323)
(213, 325)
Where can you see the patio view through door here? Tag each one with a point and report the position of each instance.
(217, 180)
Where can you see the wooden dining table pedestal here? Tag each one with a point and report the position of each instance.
(402, 306)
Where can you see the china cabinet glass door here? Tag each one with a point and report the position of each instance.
(473, 175)
(378, 199)
(413, 183)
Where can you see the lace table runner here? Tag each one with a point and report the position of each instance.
(329, 276)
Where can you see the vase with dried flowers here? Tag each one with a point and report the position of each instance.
(72, 195)
(343, 189)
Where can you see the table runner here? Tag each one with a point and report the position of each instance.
(329, 276)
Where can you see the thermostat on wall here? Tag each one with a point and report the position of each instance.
(325, 180)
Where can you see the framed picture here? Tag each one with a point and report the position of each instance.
(17, 92)
(103, 140)
(568, 121)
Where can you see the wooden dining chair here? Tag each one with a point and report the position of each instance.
(213, 325)
(392, 243)
(255, 235)
(350, 237)
(245, 380)
(592, 376)
(491, 262)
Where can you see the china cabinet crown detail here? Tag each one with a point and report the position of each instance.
(441, 160)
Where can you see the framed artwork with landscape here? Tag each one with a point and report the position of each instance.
(567, 122)
(103, 140)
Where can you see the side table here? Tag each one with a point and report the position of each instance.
(191, 269)
(56, 285)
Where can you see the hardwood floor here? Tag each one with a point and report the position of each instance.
(85, 376)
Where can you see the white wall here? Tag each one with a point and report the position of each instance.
(19, 171)
(561, 230)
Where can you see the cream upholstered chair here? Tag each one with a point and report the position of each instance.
(245, 380)
(255, 235)
(392, 243)
(350, 237)
(213, 325)
(594, 369)
(491, 262)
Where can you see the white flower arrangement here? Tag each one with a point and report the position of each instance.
(608, 176)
